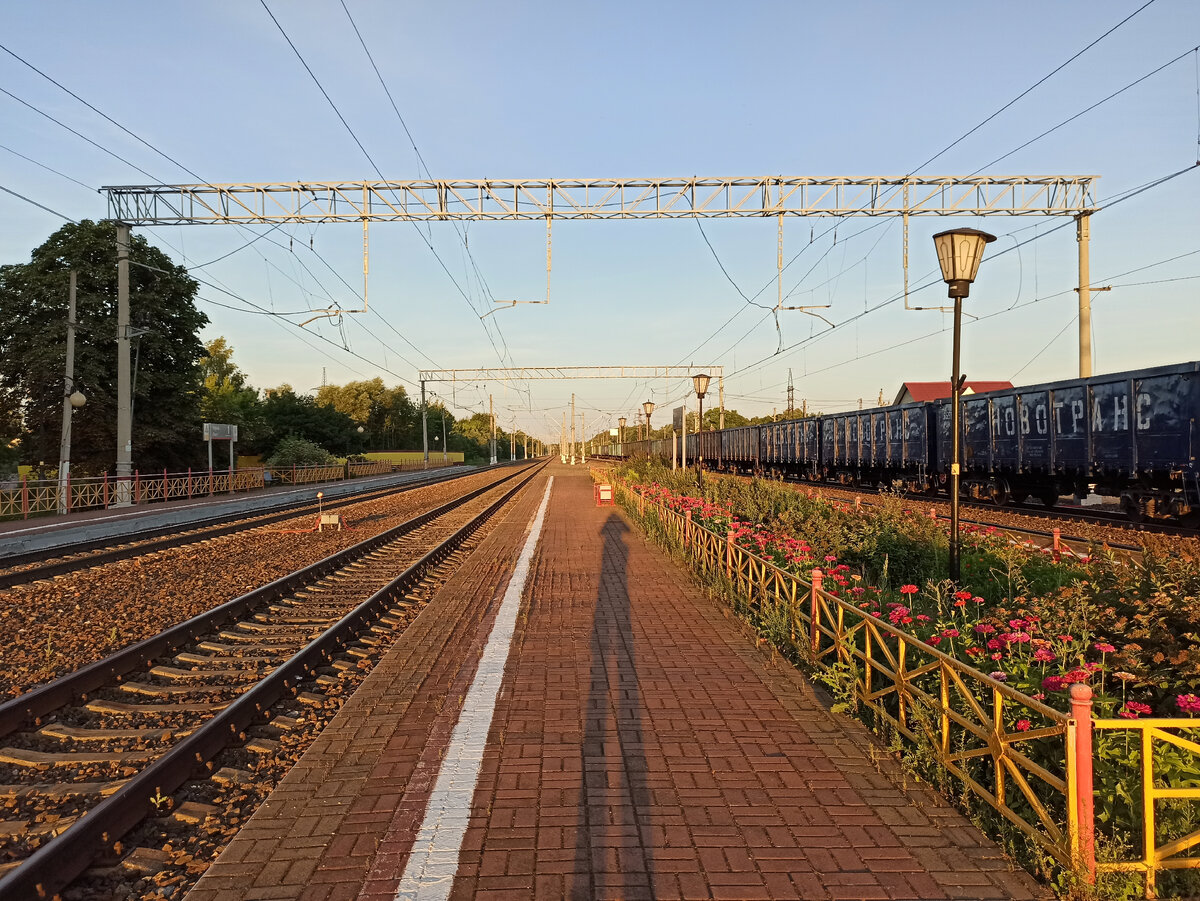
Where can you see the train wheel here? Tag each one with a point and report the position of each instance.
(1048, 497)
(1000, 493)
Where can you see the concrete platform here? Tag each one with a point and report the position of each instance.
(639, 746)
(20, 536)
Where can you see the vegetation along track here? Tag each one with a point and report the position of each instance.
(20, 569)
(1084, 529)
(115, 739)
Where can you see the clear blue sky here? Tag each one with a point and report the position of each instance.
(539, 90)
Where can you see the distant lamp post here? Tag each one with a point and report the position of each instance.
(959, 252)
(700, 383)
(648, 407)
(621, 431)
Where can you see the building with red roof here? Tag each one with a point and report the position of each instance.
(922, 391)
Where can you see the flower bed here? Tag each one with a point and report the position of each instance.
(1028, 620)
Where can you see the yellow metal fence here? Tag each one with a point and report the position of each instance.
(1033, 765)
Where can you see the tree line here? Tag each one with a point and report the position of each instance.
(179, 382)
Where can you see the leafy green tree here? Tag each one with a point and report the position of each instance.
(287, 414)
(227, 398)
(389, 418)
(33, 326)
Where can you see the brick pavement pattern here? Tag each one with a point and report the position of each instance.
(642, 747)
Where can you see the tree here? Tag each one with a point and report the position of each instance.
(390, 420)
(33, 326)
(287, 414)
(227, 398)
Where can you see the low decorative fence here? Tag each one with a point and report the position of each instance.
(1040, 769)
(23, 498)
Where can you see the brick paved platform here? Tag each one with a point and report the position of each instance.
(641, 748)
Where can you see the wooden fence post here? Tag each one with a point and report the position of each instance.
(687, 527)
(1081, 713)
(814, 611)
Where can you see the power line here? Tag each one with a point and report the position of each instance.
(36, 204)
(378, 171)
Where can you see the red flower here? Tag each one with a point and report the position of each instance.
(909, 589)
(1023, 725)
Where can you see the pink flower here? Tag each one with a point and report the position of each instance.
(1127, 714)
(909, 589)
(934, 640)
(985, 628)
(978, 600)
(830, 558)
(922, 618)
(1137, 707)
(950, 633)
(1188, 703)
(1023, 725)
(973, 651)
(999, 676)
(1104, 647)
(1017, 624)
(1055, 683)
(995, 644)
(1044, 655)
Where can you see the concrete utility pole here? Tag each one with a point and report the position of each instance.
(64, 447)
(572, 428)
(124, 382)
(791, 394)
(492, 414)
(1083, 232)
(721, 400)
(562, 441)
(425, 429)
(582, 437)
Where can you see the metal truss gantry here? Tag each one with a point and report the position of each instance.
(534, 373)
(600, 198)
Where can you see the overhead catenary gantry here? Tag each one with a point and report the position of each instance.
(533, 373)
(779, 196)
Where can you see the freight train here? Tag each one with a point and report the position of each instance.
(1132, 435)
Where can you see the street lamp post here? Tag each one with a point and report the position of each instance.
(648, 407)
(700, 383)
(959, 252)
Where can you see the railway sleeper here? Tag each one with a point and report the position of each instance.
(150, 690)
(55, 825)
(240, 661)
(26, 757)
(77, 733)
(60, 791)
(125, 707)
(240, 674)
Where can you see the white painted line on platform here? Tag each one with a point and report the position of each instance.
(433, 862)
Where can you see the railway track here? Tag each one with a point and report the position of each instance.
(32, 566)
(87, 757)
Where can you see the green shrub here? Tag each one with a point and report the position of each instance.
(293, 451)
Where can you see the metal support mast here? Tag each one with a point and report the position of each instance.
(1083, 233)
(64, 446)
(124, 381)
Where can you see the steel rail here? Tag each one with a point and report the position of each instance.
(222, 523)
(59, 861)
(21, 711)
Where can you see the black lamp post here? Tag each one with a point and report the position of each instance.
(648, 407)
(700, 383)
(621, 436)
(959, 253)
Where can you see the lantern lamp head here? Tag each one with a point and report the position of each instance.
(700, 382)
(959, 253)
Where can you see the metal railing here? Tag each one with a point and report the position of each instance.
(980, 731)
(23, 498)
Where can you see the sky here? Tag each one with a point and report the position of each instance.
(620, 89)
